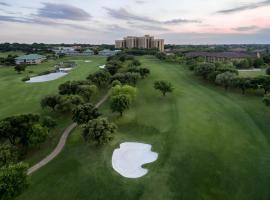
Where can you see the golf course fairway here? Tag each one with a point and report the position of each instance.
(211, 145)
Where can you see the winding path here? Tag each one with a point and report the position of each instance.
(61, 142)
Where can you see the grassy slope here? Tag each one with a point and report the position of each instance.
(18, 97)
(211, 145)
(252, 73)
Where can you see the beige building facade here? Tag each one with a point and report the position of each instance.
(145, 42)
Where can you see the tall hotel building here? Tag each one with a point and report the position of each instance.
(146, 42)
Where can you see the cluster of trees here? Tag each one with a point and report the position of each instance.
(8, 61)
(227, 76)
(250, 63)
(27, 48)
(141, 52)
(174, 58)
(18, 134)
(71, 94)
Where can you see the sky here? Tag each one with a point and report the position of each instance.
(104, 21)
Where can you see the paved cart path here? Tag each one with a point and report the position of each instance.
(61, 144)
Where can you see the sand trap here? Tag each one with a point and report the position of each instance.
(88, 61)
(129, 158)
(47, 77)
(101, 66)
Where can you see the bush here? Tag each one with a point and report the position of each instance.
(27, 78)
(267, 71)
(48, 121)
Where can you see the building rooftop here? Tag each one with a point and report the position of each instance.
(30, 57)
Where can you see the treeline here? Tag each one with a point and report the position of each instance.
(241, 64)
(17, 135)
(224, 74)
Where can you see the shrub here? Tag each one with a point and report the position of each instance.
(267, 71)
(27, 78)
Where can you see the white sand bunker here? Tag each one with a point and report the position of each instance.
(88, 61)
(101, 66)
(129, 158)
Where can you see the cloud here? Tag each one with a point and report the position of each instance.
(140, 2)
(260, 37)
(245, 28)
(4, 18)
(40, 21)
(151, 28)
(63, 11)
(4, 4)
(123, 14)
(181, 21)
(245, 7)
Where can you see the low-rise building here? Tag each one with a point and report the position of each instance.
(108, 52)
(31, 59)
(71, 51)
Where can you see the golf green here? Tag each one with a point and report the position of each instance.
(212, 144)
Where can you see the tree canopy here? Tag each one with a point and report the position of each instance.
(164, 87)
(84, 113)
(99, 131)
(120, 103)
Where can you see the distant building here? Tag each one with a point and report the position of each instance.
(30, 59)
(108, 52)
(145, 42)
(72, 51)
(223, 56)
(64, 50)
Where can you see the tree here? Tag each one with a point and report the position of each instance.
(13, 180)
(267, 71)
(68, 102)
(161, 56)
(263, 82)
(120, 103)
(258, 62)
(8, 154)
(35, 136)
(99, 130)
(126, 90)
(20, 68)
(50, 101)
(163, 86)
(101, 78)
(113, 67)
(204, 69)
(24, 130)
(225, 79)
(242, 83)
(48, 122)
(84, 113)
(266, 100)
(115, 83)
(126, 78)
(144, 72)
(71, 87)
(87, 91)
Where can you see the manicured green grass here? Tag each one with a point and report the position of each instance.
(251, 73)
(5, 54)
(211, 145)
(18, 97)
